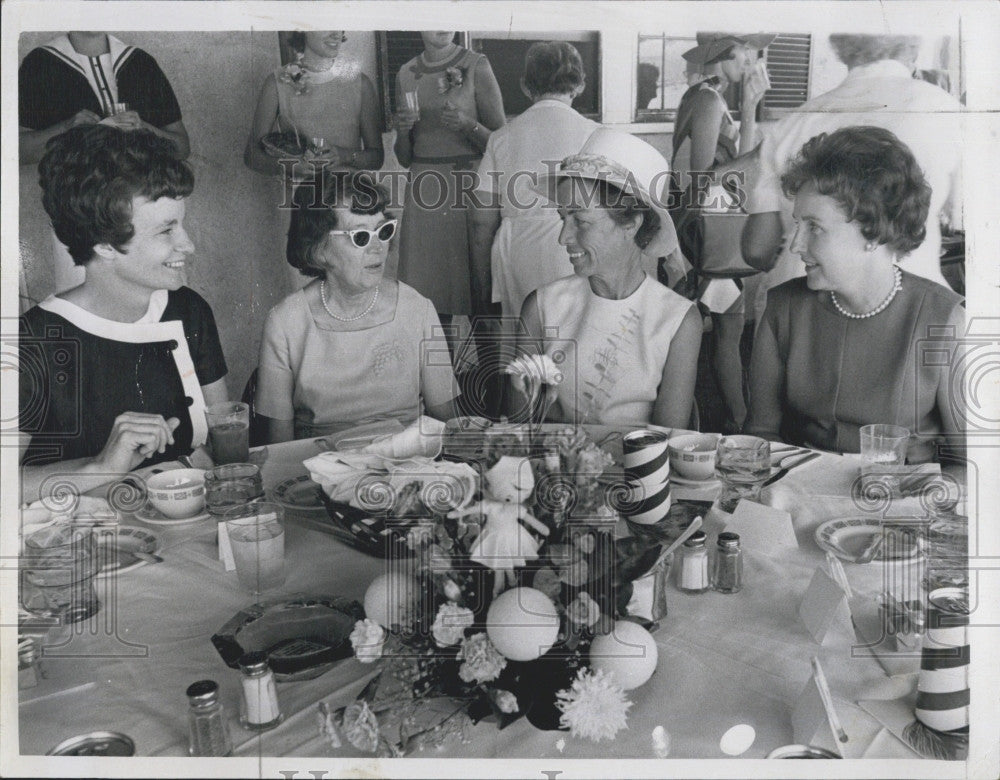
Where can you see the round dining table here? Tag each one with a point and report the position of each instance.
(725, 660)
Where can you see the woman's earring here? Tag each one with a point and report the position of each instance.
(343, 37)
(870, 246)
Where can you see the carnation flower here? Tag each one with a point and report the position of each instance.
(367, 638)
(594, 707)
(482, 661)
(451, 590)
(361, 726)
(453, 77)
(450, 624)
(583, 610)
(537, 369)
(506, 702)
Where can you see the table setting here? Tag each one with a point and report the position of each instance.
(477, 589)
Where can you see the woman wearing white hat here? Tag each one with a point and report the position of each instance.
(626, 345)
(706, 136)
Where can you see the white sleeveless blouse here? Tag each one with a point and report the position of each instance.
(611, 352)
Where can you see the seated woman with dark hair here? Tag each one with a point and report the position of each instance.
(626, 345)
(843, 347)
(351, 347)
(116, 373)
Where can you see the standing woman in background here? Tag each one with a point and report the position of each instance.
(321, 98)
(706, 136)
(457, 105)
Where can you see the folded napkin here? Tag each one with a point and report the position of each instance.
(79, 510)
(924, 480)
(421, 438)
(374, 482)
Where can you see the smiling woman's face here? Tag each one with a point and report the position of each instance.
(594, 241)
(353, 269)
(324, 43)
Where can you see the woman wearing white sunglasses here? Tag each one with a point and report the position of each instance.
(351, 347)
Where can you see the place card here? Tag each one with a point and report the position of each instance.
(825, 606)
(226, 548)
(810, 724)
(763, 529)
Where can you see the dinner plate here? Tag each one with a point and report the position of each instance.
(117, 545)
(848, 537)
(299, 494)
(150, 514)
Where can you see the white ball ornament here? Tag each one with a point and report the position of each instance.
(390, 598)
(628, 654)
(522, 623)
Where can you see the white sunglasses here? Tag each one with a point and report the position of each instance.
(360, 237)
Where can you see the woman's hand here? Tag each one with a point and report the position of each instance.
(323, 155)
(125, 120)
(405, 119)
(455, 119)
(134, 437)
(753, 91)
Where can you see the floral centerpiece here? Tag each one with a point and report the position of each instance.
(512, 605)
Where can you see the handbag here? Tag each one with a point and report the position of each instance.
(710, 239)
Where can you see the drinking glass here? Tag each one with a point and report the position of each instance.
(884, 445)
(232, 485)
(60, 565)
(742, 464)
(229, 432)
(257, 536)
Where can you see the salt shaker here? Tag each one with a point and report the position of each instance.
(259, 710)
(692, 574)
(209, 732)
(727, 567)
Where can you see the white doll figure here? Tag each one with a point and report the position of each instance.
(504, 543)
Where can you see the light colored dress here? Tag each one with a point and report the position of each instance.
(611, 352)
(329, 380)
(526, 252)
(434, 237)
(329, 109)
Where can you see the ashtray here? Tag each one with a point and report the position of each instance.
(302, 636)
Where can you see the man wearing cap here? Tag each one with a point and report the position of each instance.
(879, 90)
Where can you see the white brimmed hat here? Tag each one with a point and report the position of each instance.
(636, 168)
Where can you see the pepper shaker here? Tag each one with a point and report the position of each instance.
(727, 568)
(208, 730)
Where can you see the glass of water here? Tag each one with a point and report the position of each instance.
(257, 536)
(742, 464)
(884, 445)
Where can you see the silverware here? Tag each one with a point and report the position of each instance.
(785, 469)
(185, 461)
(869, 553)
(147, 557)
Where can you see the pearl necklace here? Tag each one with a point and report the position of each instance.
(322, 295)
(896, 287)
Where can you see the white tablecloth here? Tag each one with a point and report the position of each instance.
(723, 659)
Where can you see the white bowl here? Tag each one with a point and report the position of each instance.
(692, 455)
(179, 493)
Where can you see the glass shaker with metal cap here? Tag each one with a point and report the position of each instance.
(259, 710)
(209, 732)
(727, 567)
(692, 574)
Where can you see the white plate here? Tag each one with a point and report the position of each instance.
(299, 494)
(126, 539)
(847, 538)
(150, 514)
(711, 482)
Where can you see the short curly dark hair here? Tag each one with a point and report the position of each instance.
(89, 176)
(313, 216)
(552, 67)
(874, 178)
(623, 208)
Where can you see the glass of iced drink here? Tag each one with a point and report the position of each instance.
(257, 536)
(229, 432)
